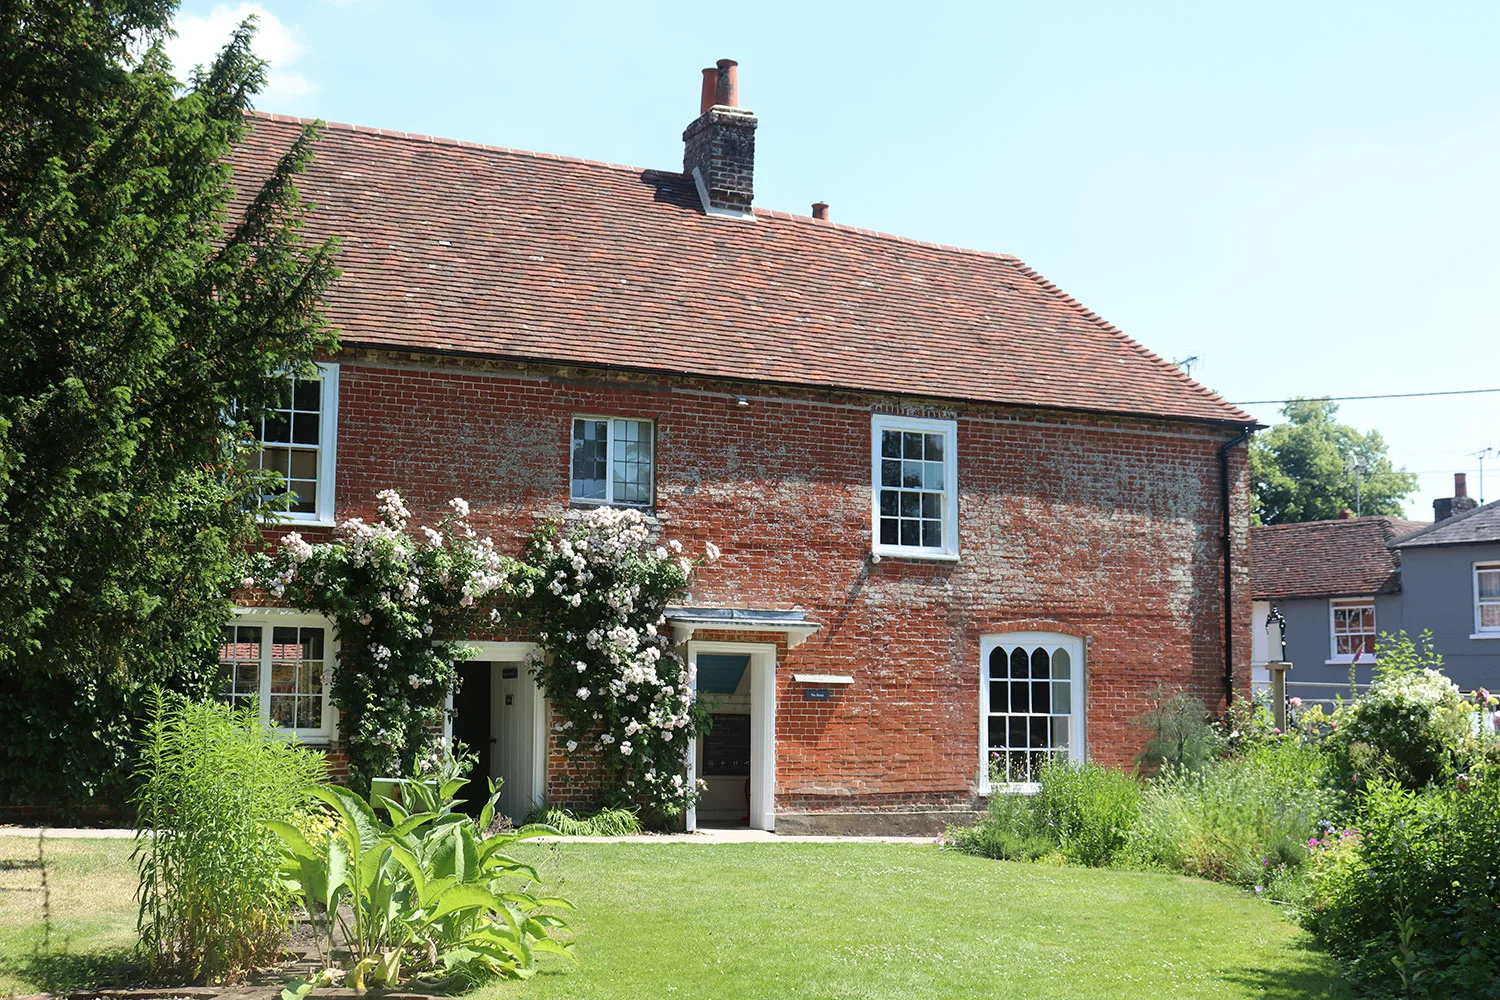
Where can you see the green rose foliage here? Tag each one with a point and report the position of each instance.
(626, 699)
(397, 600)
(1412, 724)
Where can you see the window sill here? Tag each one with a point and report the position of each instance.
(1485, 635)
(989, 790)
(910, 555)
(281, 520)
(1364, 661)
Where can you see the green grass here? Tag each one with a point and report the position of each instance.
(810, 921)
(879, 920)
(90, 938)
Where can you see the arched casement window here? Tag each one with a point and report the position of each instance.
(1031, 702)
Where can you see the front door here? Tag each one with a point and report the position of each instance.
(472, 720)
(514, 746)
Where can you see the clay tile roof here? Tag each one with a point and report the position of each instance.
(456, 247)
(1344, 558)
(1472, 527)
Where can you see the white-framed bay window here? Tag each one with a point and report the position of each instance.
(1031, 707)
(612, 460)
(298, 439)
(281, 662)
(1351, 630)
(914, 486)
(1487, 600)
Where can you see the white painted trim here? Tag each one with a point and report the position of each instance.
(1480, 632)
(290, 617)
(1078, 710)
(1334, 656)
(823, 678)
(328, 438)
(609, 461)
(762, 727)
(949, 428)
(1349, 661)
(723, 213)
(796, 635)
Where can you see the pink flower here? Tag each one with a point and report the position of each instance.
(1294, 702)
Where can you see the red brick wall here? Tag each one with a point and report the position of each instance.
(1104, 528)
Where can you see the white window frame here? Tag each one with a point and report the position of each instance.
(881, 422)
(1078, 679)
(609, 462)
(1482, 631)
(269, 618)
(328, 422)
(1334, 656)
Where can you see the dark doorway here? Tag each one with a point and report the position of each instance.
(471, 726)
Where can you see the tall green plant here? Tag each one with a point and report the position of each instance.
(132, 317)
(1179, 733)
(425, 890)
(212, 902)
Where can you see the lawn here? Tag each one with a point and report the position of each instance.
(90, 900)
(880, 920)
(777, 920)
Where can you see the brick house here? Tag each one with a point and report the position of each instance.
(963, 519)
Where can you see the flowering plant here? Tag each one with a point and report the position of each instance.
(388, 592)
(625, 697)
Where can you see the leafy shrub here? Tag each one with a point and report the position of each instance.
(212, 904)
(1241, 820)
(603, 823)
(1083, 814)
(426, 892)
(1180, 735)
(1411, 724)
(1089, 810)
(1010, 831)
(1410, 905)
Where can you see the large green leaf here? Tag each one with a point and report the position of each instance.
(292, 838)
(456, 853)
(363, 826)
(463, 897)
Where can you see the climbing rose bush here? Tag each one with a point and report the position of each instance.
(601, 590)
(397, 599)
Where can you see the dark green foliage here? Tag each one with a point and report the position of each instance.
(1413, 907)
(210, 777)
(132, 325)
(1179, 733)
(1300, 470)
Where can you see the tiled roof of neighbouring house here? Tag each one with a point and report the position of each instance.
(455, 247)
(1472, 527)
(1340, 558)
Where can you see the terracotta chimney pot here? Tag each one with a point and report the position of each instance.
(820, 210)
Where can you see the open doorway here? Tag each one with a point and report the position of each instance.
(736, 758)
(498, 714)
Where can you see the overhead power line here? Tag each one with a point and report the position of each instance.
(1384, 395)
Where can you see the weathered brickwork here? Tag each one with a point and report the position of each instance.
(1106, 528)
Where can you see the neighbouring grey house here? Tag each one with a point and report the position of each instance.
(1339, 584)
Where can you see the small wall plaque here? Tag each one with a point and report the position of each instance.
(817, 694)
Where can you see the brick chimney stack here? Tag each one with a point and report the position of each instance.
(1459, 502)
(719, 146)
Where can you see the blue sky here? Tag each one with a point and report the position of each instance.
(1302, 196)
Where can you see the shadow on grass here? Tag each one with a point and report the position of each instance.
(63, 971)
(1309, 974)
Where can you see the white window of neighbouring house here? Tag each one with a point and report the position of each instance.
(280, 663)
(297, 442)
(1487, 597)
(612, 460)
(914, 479)
(1352, 627)
(1031, 706)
